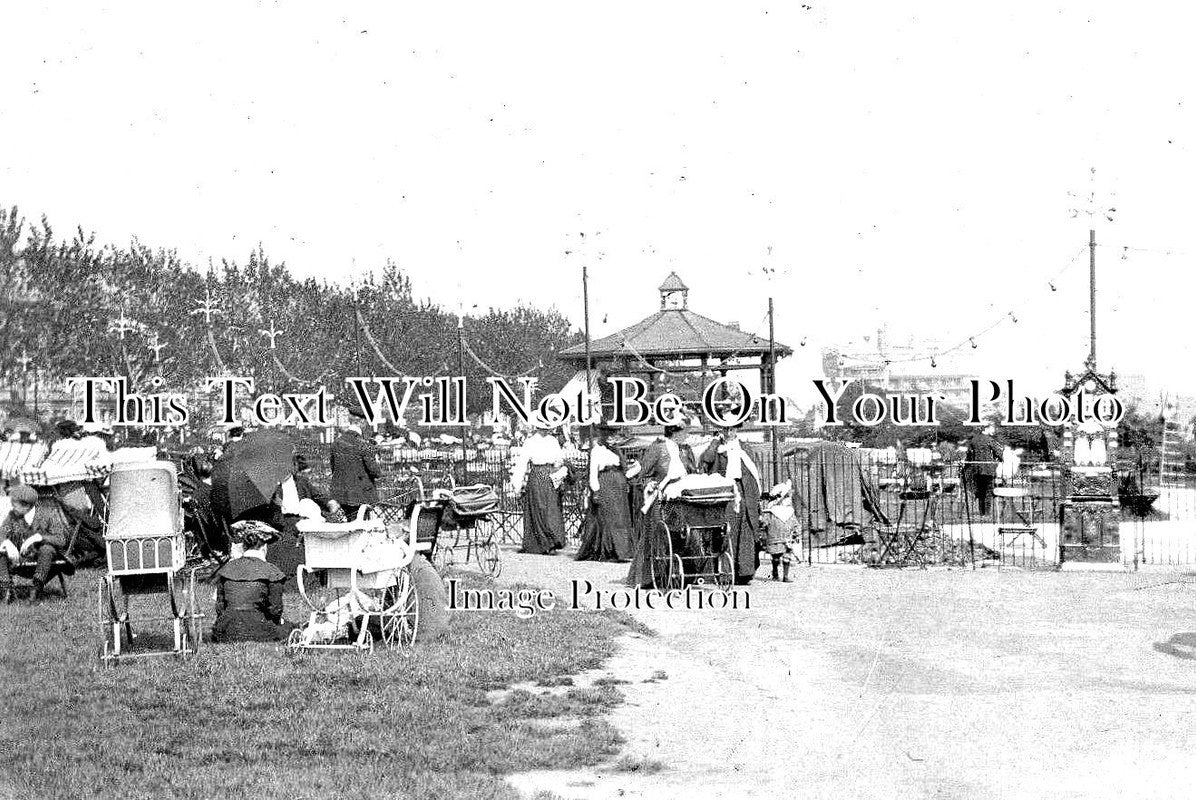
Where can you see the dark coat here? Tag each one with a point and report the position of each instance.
(249, 602)
(306, 491)
(655, 464)
(743, 524)
(354, 470)
(48, 524)
(986, 450)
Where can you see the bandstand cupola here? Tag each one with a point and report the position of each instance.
(674, 293)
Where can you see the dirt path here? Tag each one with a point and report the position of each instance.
(855, 683)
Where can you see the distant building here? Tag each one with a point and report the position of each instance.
(876, 361)
(1150, 399)
(678, 351)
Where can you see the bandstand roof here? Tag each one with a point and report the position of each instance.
(676, 332)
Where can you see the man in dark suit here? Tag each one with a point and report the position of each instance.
(984, 453)
(41, 540)
(354, 471)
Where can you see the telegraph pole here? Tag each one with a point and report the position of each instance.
(772, 389)
(1092, 295)
(585, 299)
(461, 372)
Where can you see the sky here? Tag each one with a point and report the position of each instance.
(913, 165)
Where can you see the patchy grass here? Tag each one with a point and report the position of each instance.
(643, 766)
(606, 680)
(249, 720)
(556, 680)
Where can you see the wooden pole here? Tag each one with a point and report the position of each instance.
(772, 389)
(585, 299)
(1092, 295)
(461, 372)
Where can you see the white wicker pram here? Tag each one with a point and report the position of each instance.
(367, 589)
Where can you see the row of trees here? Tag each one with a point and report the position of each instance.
(75, 307)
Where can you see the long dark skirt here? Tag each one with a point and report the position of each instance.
(543, 523)
(640, 572)
(287, 552)
(745, 531)
(606, 532)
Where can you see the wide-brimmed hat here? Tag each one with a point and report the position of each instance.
(252, 534)
(67, 427)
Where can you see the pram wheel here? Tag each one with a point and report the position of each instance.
(489, 559)
(668, 572)
(725, 577)
(444, 558)
(192, 627)
(115, 630)
(399, 618)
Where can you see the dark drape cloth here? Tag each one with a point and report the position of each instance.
(249, 602)
(543, 522)
(831, 491)
(606, 532)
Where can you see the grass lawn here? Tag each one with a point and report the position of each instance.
(251, 721)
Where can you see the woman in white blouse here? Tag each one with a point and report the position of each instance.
(606, 531)
(540, 469)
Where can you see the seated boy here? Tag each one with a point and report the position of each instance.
(32, 534)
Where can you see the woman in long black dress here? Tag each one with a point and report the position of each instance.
(726, 456)
(607, 526)
(540, 469)
(249, 595)
(665, 460)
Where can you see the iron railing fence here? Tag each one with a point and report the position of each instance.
(892, 512)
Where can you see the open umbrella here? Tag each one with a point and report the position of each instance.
(257, 464)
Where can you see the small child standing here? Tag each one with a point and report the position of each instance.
(779, 521)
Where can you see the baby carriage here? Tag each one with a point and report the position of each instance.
(689, 537)
(413, 504)
(368, 588)
(467, 508)
(146, 553)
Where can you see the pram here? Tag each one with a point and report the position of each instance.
(146, 553)
(411, 496)
(468, 515)
(368, 586)
(689, 538)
